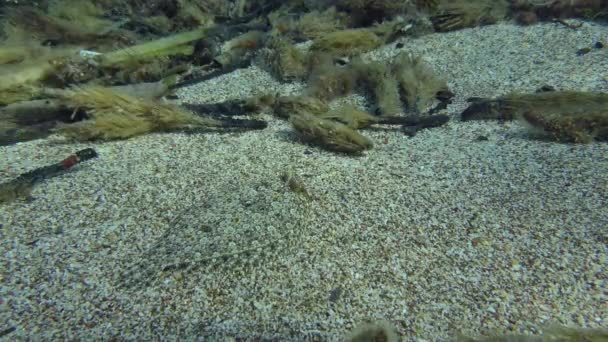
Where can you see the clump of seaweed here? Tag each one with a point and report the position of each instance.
(20, 77)
(406, 78)
(221, 34)
(315, 24)
(172, 45)
(451, 15)
(327, 80)
(238, 49)
(426, 5)
(285, 106)
(60, 31)
(18, 93)
(46, 50)
(355, 41)
(330, 134)
(349, 42)
(351, 117)
(418, 83)
(367, 12)
(115, 115)
(336, 129)
(568, 116)
(285, 60)
(554, 333)
(34, 119)
(529, 12)
(381, 82)
(379, 331)
(569, 127)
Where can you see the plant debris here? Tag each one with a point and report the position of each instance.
(567, 116)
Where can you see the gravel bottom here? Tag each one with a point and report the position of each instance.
(174, 236)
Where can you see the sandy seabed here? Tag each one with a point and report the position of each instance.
(174, 236)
